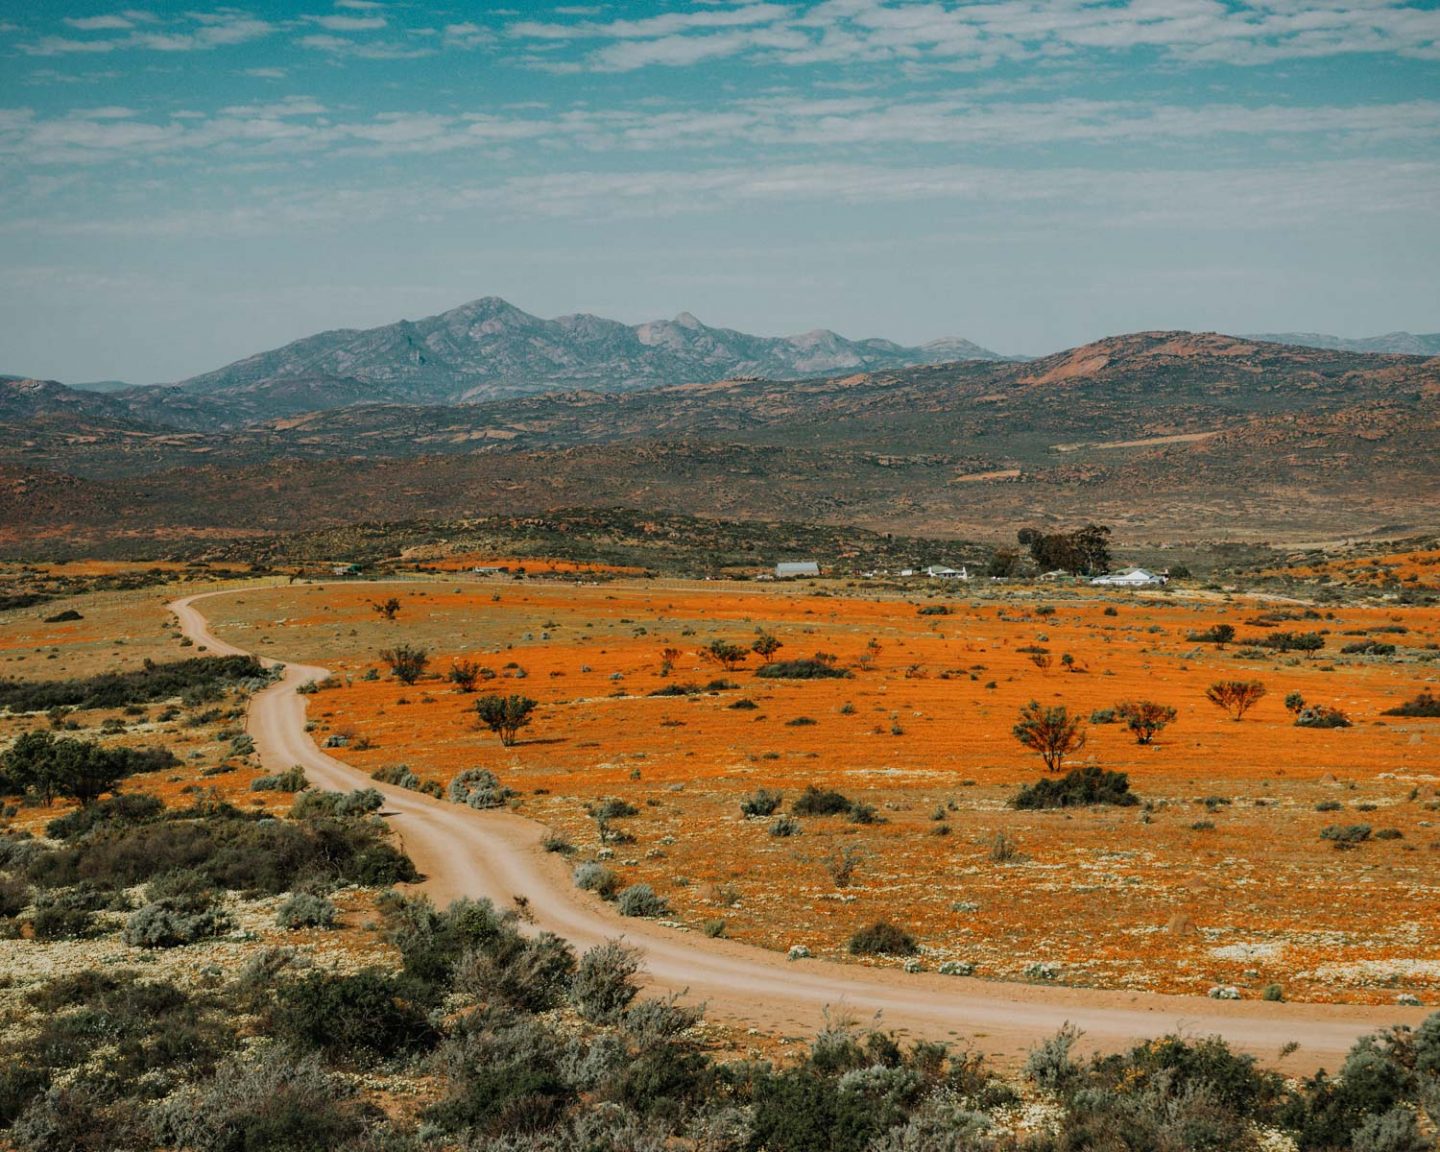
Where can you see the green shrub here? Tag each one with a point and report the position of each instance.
(231, 851)
(336, 805)
(291, 780)
(131, 808)
(204, 676)
(431, 942)
(604, 983)
(808, 669)
(784, 826)
(592, 876)
(342, 1016)
(528, 975)
(67, 914)
(172, 921)
(882, 939)
(1345, 835)
(479, 788)
(1080, 787)
(612, 808)
(264, 1103)
(14, 896)
(761, 802)
(641, 900)
(1425, 705)
(306, 910)
(1321, 716)
(820, 802)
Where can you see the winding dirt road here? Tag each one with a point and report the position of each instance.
(463, 852)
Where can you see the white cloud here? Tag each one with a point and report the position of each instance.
(99, 23)
(467, 35)
(348, 23)
(199, 31)
(362, 49)
(979, 35)
(266, 73)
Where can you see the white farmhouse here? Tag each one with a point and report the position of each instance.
(1131, 578)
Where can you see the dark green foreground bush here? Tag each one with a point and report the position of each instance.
(197, 681)
(1078, 788)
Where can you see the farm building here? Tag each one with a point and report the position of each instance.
(1131, 578)
(795, 569)
(941, 572)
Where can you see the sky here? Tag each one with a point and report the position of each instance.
(182, 185)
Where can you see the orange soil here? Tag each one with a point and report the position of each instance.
(1116, 897)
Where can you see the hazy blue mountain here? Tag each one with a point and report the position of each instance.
(1405, 343)
(489, 348)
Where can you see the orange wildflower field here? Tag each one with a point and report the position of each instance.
(1220, 877)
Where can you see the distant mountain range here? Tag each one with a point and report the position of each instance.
(1405, 343)
(489, 349)
(1163, 435)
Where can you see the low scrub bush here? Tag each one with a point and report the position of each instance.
(1346, 835)
(68, 914)
(1321, 716)
(612, 808)
(175, 920)
(266, 1102)
(367, 1013)
(641, 900)
(306, 910)
(604, 983)
(761, 802)
(14, 896)
(291, 780)
(231, 850)
(135, 808)
(811, 668)
(1293, 642)
(203, 678)
(1425, 705)
(592, 876)
(1078, 788)
(820, 802)
(336, 805)
(882, 939)
(479, 788)
(1368, 648)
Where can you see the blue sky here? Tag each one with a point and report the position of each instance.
(181, 185)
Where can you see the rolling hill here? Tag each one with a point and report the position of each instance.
(1169, 435)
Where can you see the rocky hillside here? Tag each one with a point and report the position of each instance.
(1168, 435)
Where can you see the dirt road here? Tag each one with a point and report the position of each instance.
(463, 852)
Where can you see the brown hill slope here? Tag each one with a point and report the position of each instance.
(1162, 434)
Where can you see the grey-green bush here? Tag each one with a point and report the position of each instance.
(306, 910)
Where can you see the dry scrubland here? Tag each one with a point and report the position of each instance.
(1221, 878)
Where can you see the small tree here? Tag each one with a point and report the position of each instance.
(1052, 732)
(387, 609)
(463, 674)
(1218, 634)
(505, 715)
(766, 646)
(407, 662)
(722, 652)
(668, 656)
(1145, 718)
(1235, 696)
